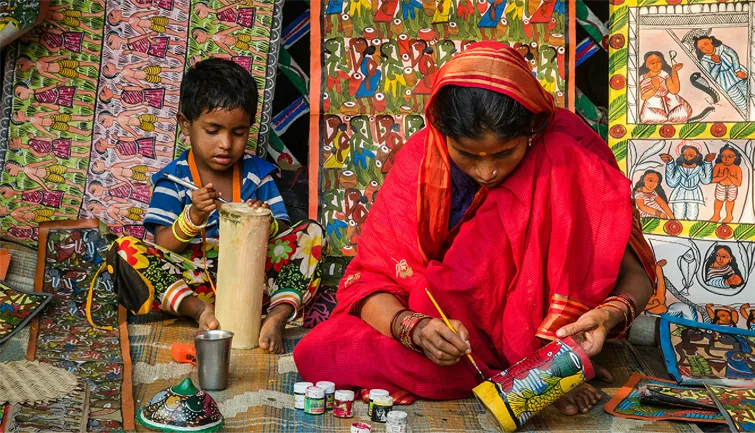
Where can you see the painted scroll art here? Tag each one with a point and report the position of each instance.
(373, 65)
(681, 124)
(698, 353)
(92, 95)
(737, 405)
(628, 402)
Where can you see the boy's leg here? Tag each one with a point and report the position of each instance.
(293, 274)
(149, 277)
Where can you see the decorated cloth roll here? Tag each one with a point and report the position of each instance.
(515, 395)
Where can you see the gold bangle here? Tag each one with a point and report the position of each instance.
(175, 234)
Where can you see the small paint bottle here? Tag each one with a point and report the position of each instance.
(397, 422)
(375, 393)
(382, 407)
(315, 401)
(344, 403)
(330, 389)
(361, 427)
(300, 390)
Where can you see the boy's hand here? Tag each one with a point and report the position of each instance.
(203, 203)
(256, 204)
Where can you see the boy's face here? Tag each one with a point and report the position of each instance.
(218, 138)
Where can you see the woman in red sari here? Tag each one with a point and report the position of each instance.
(514, 213)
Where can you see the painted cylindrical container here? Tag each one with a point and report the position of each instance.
(515, 395)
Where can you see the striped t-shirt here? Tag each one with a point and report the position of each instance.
(169, 199)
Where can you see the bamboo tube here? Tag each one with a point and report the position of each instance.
(241, 272)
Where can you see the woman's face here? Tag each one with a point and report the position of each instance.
(706, 46)
(654, 63)
(723, 316)
(488, 160)
(722, 257)
(651, 182)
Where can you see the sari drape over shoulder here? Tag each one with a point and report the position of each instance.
(528, 257)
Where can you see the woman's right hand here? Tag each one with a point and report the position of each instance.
(203, 203)
(439, 343)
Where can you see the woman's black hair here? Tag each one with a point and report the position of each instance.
(471, 112)
(733, 263)
(370, 50)
(658, 189)
(737, 154)
(643, 69)
(697, 161)
(214, 84)
(716, 43)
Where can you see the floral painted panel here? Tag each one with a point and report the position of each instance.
(681, 124)
(373, 67)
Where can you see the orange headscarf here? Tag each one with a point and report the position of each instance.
(486, 65)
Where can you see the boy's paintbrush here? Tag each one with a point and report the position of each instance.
(445, 319)
(188, 185)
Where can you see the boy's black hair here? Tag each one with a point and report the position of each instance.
(214, 84)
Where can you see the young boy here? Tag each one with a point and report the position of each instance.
(218, 105)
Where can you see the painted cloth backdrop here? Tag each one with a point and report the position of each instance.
(682, 121)
(91, 96)
(373, 64)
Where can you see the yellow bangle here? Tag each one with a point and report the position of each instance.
(274, 228)
(175, 234)
(185, 227)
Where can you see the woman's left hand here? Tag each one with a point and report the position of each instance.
(595, 324)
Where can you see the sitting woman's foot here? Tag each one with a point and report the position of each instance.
(579, 400)
(206, 319)
(271, 334)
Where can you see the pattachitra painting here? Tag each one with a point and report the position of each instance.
(682, 124)
(700, 353)
(373, 66)
(90, 98)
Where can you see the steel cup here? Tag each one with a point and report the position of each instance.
(213, 349)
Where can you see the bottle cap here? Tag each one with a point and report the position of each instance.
(329, 387)
(397, 416)
(301, 387)
(315, 392)
(344, 395)
(378, 392)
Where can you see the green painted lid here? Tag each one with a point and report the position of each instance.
(186, 387)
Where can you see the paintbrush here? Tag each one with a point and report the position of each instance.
(192, 187)
(445, 319)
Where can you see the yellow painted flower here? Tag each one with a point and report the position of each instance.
(309, 249)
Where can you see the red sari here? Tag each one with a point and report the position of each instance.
(529, 256)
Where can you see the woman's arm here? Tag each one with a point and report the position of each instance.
(632, 282)
(438, 343)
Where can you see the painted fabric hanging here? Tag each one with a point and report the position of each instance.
(374, 65)
(91, 96)
(681, 124)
